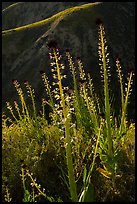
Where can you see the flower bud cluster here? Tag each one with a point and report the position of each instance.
(71, 63)
(81, 72)
(103, 53)
(17, 86)
(46, 83)
(30, 91)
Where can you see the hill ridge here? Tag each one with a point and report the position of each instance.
(54, 16)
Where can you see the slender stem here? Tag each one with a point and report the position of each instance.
(71, 176)
(96, 148)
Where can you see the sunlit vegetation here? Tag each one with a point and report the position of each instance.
(78, 151)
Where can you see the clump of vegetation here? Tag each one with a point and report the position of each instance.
(82, 152)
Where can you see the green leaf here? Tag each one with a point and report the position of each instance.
(84, 174)
(89, 196)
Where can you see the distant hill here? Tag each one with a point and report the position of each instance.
(22, 13)
(29, 26)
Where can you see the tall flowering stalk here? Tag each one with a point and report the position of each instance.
(25, 111)
(89, 99)
(31, 95)
(124, 96)
(105, 70)
(77, 96)
(55, 56)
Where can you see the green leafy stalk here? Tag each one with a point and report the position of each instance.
(106, 89)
